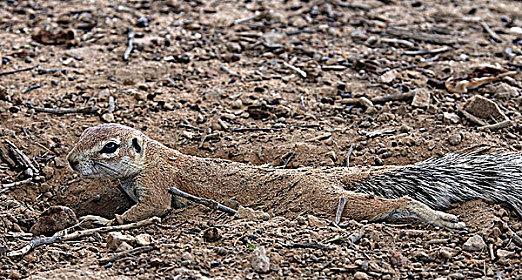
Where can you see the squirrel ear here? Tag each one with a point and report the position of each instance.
(136, 145)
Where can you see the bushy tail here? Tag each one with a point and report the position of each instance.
(454, 178)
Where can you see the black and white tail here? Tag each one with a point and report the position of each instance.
(453, 178)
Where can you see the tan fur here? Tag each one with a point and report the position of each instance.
(288, 192)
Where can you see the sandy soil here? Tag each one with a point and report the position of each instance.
(286, 83)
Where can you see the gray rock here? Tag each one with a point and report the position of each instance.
(260, 261)
(474, 243)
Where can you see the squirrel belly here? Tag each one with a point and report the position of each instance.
(454, 178)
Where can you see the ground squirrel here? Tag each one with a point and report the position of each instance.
(147, 169)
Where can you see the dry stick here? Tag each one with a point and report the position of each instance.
(64, 236)
(340, 209)
(472, 118)
(500, 125)
(296, 69)
(7, 187)
(17, 71)
(491, 33)
(203, 201)
(112, 104)
(132, 251)
(348, 155)
(393, 97)
(130, 44)
(63, 111)
(434, 51)
(23, 158)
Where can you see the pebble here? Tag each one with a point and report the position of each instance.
(484, 108)
(504, 253)
(445, 253)
(360, 276)
(260, 261)
(455, 139)
(421, 99)
(53, 219)
(316, 222)
(251, 214)
(211, 234)
(116, 238)
(451, 117)
(474, 243)
(144, 239)
(124, 246)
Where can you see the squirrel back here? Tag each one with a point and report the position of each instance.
(454, 178)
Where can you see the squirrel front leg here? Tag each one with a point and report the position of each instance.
(366, 207)
(150, 202)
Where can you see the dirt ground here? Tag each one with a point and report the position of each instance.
(285, 83)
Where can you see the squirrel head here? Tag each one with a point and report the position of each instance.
(109, 150)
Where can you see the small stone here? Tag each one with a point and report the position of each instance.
(59, 162)
(260, 261)
(474, 243)
(53, 219)
(421, 99)
(457, 275)
(445, 253)
(124, 246)
(234, 47)
(451, 117)
(484, 108)
(116, 238)
(187, 256)
(211, 234)
(48, 172)
(359, 275)
(142, 22)
(251, 214)
(389, 76)
(236, 104)
(107, 117)
(504, 253)
(455, 139)
(316, 222)
(143, 239)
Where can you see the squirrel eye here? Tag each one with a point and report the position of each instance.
(109, 148)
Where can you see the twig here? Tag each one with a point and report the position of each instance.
(296, 69)
(17, 71)
(130, 44)
(393, 97)
(243, 20)
(112, 104)
(23, 159)
(398, 41)
(63, 111)
(491, 33)
(203, 201)
(340, 209)
(7, 187)
(434, 51)
(500, 125)
(228, 71)
(31, 88)
(132, 251)
(422, 36)
(348, 155)
(64, 235)
(472, 118)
